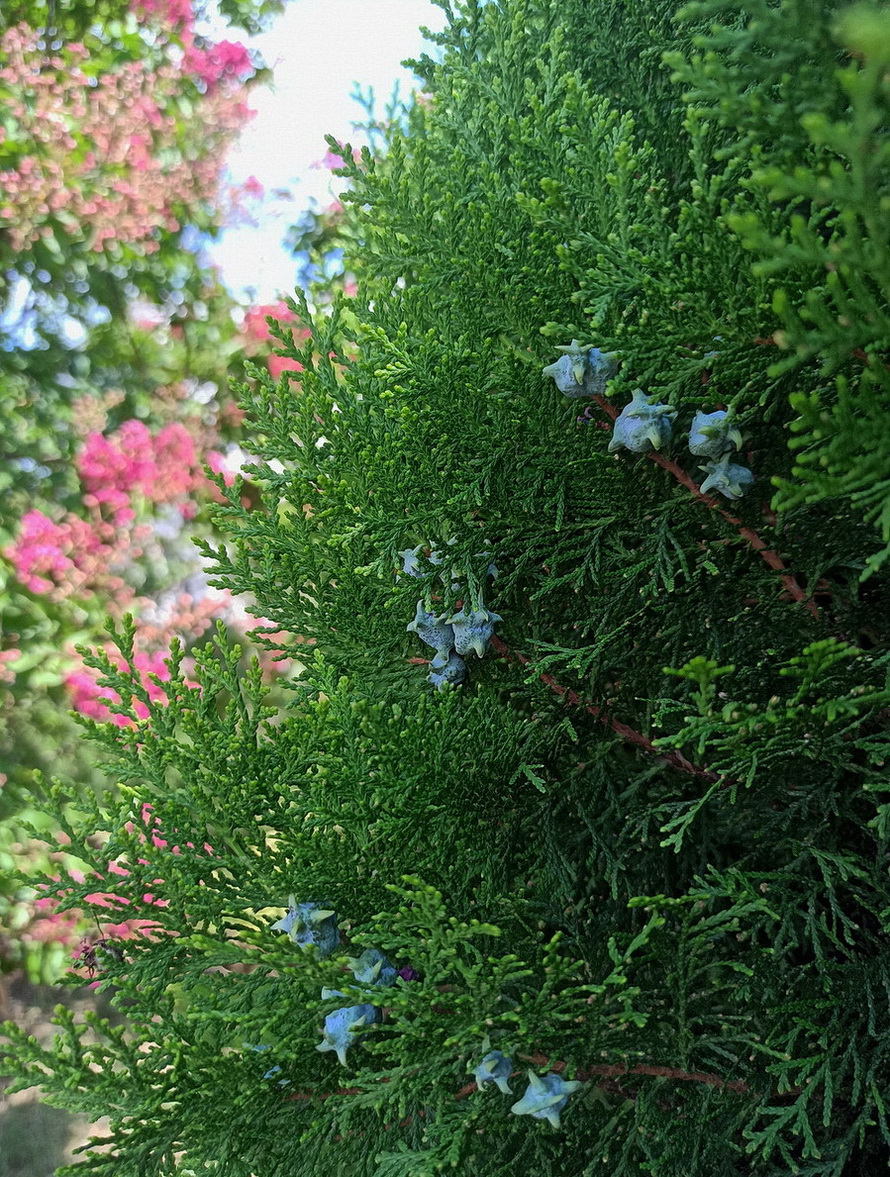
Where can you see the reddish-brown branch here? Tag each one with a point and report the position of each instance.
(676, 759)
(751, 537)
(612, 1070)
(607, 1071)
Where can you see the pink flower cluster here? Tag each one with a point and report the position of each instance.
(7, 672)
(225, 59)
(109, 159)
(71, 557)
(180, 617)
(171, 12)
(162, 468)
(337, 159)
(257, 329)
(50, 925)
(78, 556)
(153, 823)
(90, 699)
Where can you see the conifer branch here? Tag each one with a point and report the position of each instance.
(676, 759)
(613, 1070)
(751, 537)
(585, 1074)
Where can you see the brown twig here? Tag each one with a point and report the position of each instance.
(751, 537)
(676, 759)
(605, 1071)
(612, 1070)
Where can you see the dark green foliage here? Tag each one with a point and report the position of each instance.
(648, 838)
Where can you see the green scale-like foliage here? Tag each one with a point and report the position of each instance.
(645, 844)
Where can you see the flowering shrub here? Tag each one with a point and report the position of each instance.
(173, 12)
(71, 557)
(216, 63)
(257, 330)
(163, 467)
(117, 159)
(111, 144)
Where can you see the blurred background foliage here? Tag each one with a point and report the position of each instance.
(118, 345)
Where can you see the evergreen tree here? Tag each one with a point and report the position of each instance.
(601, 437)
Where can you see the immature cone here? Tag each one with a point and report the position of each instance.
(727, 478)
(411, 563)
(712, 435)
(310, 923)
(373, 967)
(432, 630)
(494, 1068)
(473, 630)
(447, 667)
(642, 427)
(341, 1027)
(545, 1097)
(582, 371)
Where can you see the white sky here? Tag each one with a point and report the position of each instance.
(318, 49)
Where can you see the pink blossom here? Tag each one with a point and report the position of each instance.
(337, 159)
(7, 673)
(116, 161)
(256, 328)
(161, 468)
(62, 558)
(172, 12)
(255, 325)
(52, 925)
(218, 464)
(225, 59)
(279, 364)
(91, 699)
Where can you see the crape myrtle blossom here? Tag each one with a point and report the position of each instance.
(91, 699)
(171, 12)
(337, 159)
(7, 672)
(218, 62)
(82, 556)
(180, 615)
(162, 468)
(74, 556)
(257, 330)
(116, 159)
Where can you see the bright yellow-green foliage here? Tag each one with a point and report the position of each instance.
(644, 845)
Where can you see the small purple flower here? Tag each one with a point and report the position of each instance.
(310, 923)
(545, 1097)
(727, 478)
(408, 974)
(582, 371)
(642, 427)
(473, 630)
(447, 667)
(712, 435)
(432, 631)
(494, 1068)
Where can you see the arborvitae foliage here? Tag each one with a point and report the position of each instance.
(643, 846)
